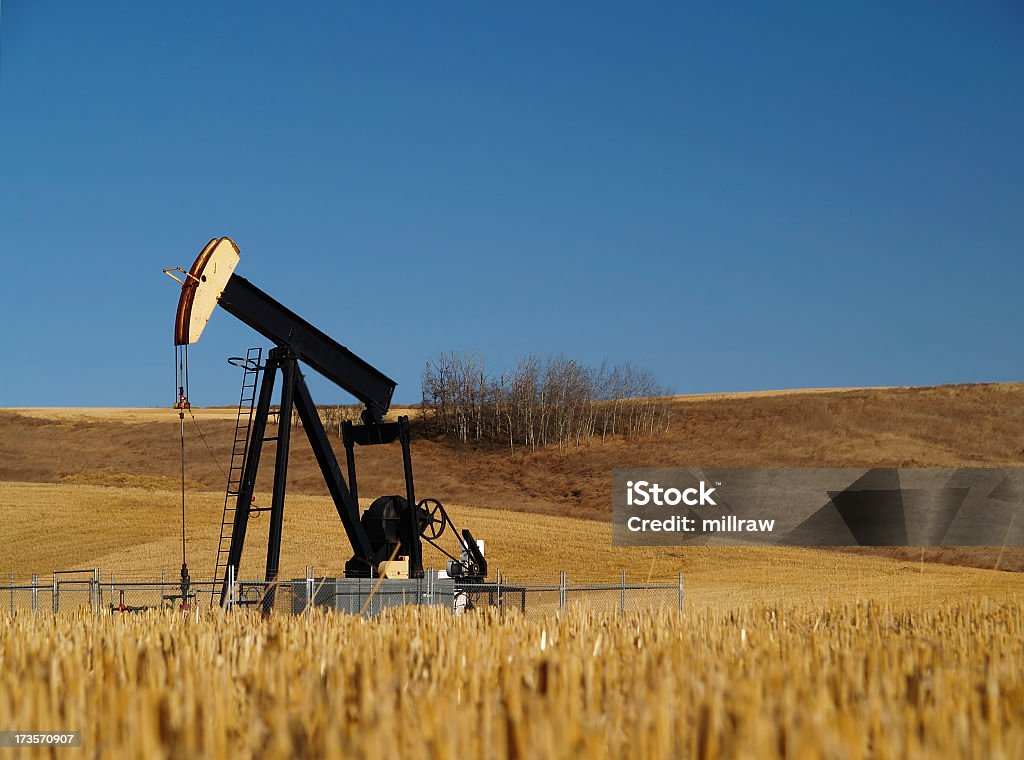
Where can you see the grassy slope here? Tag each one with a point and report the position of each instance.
(137, 452)
(133, 532)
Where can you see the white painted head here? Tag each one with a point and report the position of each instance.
(202, 288)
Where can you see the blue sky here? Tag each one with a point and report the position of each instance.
(738, 197)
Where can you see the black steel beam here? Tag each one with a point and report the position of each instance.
(317, 349)
(284, 430)
(348, 508)
(410, 520)
(350, 459)
(377, 433)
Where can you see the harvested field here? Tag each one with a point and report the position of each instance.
(852, 680)
(134, 532)
(780, 652)
(946, 426)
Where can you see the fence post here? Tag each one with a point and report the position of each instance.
(56, 598)
(35, 592)
(680, 592)
(561, 590)
(622, 599)
(231, 588)
(163, 581)
(499, 591)
(12, 592)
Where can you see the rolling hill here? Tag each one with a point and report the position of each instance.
(128, 453)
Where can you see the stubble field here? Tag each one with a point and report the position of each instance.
(779, 652)
(838, 680)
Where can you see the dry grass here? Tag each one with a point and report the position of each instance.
(154, 414)
(948, 426)
(833, 681)
(971, 425)
(134, 532)
(782, 652)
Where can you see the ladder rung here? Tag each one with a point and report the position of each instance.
(243, 428)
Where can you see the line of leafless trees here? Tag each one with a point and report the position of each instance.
(330, 415)
(540, 402)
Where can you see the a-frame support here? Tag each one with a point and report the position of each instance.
(294, 394)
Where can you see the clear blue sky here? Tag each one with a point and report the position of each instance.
(741, 196)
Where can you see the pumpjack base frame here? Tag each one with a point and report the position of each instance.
(295, 395)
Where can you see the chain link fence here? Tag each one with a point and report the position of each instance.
(66, 591)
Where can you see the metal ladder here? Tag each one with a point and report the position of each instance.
(251, 366)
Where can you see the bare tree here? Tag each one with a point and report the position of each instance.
(557, 401)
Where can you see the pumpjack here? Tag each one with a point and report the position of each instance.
(390, 532)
